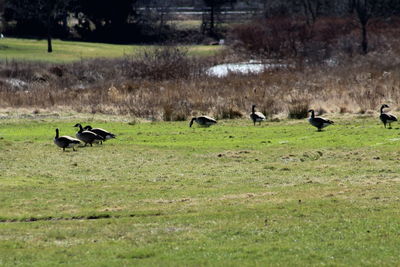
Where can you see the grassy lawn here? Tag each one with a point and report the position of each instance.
(233, 194)
(66, 51)
(186, 24)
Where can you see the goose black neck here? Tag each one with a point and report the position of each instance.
(382, 109)
(312, 113)
(191, 122)
(253, 109)
(57, 133)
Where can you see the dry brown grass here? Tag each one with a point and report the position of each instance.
(178, 89)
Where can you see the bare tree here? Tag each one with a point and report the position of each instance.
(213, 8)
(156, 13)
(1, 14)
(365, 10)
(311, 9)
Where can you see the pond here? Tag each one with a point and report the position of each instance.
(251, 67)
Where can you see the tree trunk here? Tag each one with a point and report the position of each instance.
(212, 19)
(363, 12)
(364, 39)
(49, 45)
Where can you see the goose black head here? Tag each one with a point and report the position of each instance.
(384, 106)
(87, 127)
(78, 125)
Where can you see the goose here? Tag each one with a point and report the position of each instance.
(103, 133)
(318, 122)
(204, 121)
(87, 137)
(65, 141)
(256, 116)
(387, 117)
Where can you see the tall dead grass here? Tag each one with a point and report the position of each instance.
(169, 85)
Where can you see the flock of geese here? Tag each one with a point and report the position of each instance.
(89, 135)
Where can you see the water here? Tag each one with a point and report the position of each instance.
(16, 84)
(242, 68)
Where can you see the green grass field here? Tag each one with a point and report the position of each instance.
(187, 24)
(66, 51)
(165, 194)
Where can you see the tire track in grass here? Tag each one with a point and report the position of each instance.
(78, 217)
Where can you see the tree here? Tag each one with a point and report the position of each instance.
(214, 7)
(1, 14)
(105, 19)
(312, 9)
(45, 13)
(156, 14)
(365, 10)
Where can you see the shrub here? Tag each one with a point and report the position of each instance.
(298, 108)
(161, 63)
(275, 37)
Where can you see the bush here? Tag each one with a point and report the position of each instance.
(275, 37)
(290, 37)
(162, 63)
(298, 108)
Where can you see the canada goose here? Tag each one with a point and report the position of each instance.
(256, 116)
(87, 137)
(204, 121)
(318, 122)
(387, 117)
(103, 133)
(65, 141)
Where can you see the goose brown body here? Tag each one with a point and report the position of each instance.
(256, 116)
(387, 118)
(103, 133)
(318, 122)
(65, 141)
(87, 137)
(204, 121)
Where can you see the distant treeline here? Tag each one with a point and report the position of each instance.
(147, 21)
(105, 20)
